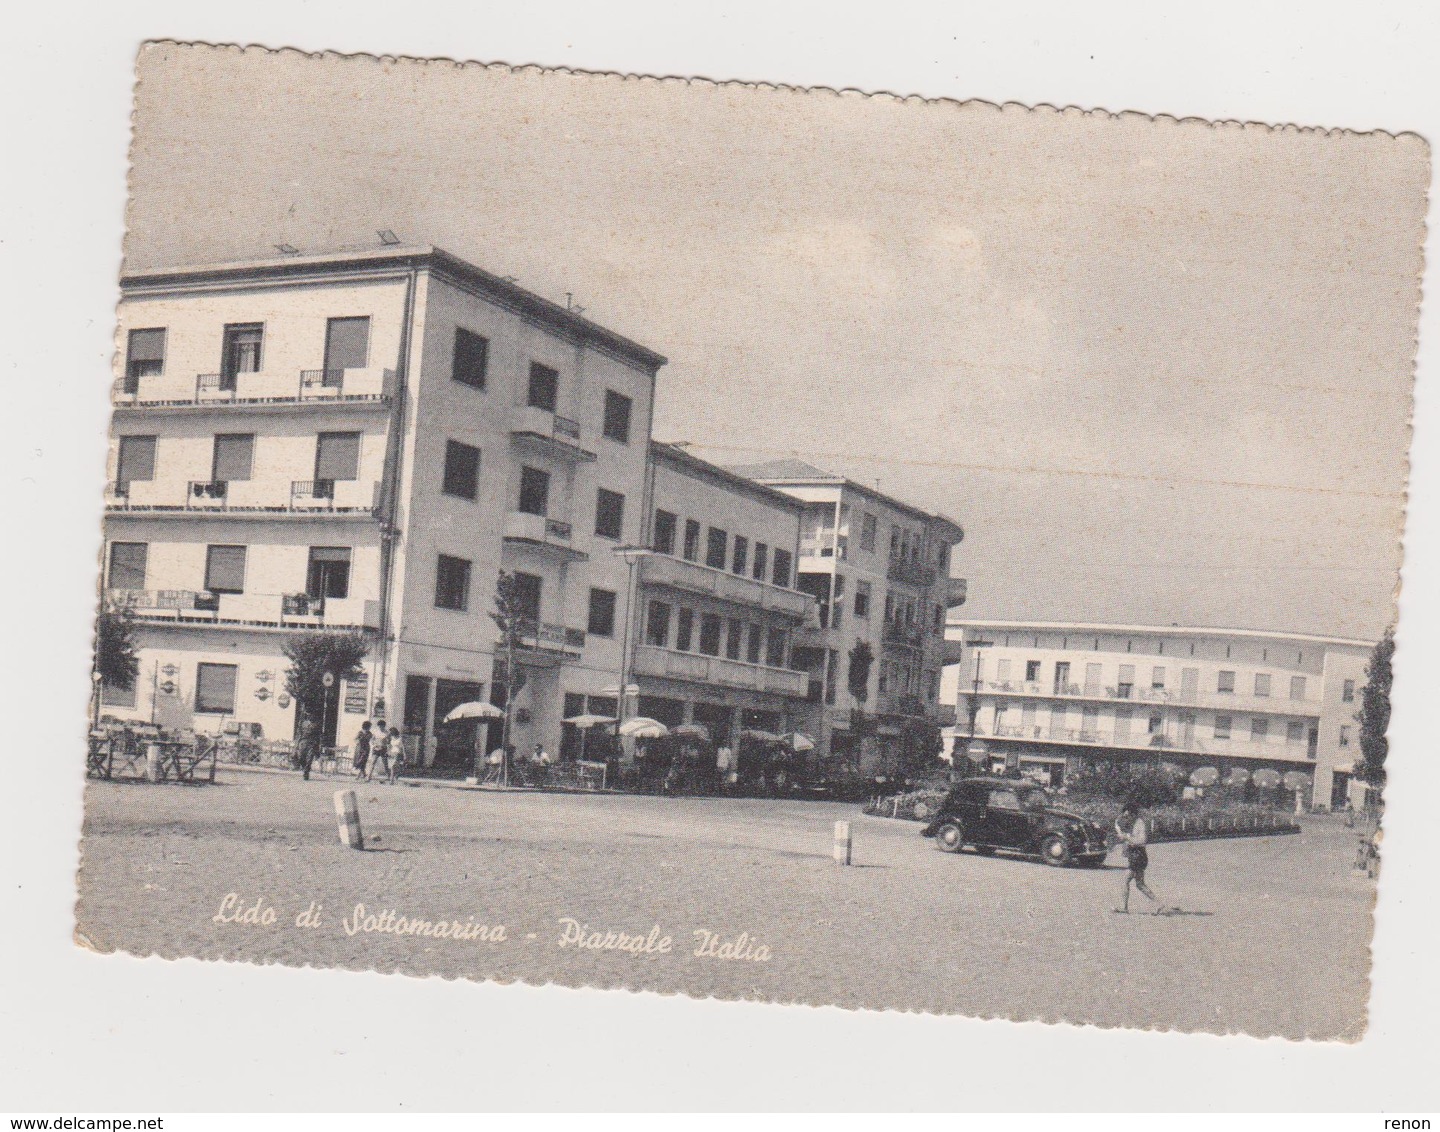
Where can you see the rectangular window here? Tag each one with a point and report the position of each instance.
(754, 644)
(869, 526)
(692, 540)
(684, 629)
(144, 356)
(862, 599)
(761, 563)
(1157, 723)
(602, 613)
(472, 359)
(1262, 683)
(1297, 687)
(1347, 692)
(1032, 671)
(1345, 736)
(233, 457)
(128, 561)
(534, 491)
(781, 573)
(1294, 731)
(775, 649)
(617, 416)
(734, 639)
(337, 456)
(528, 589)
(657, 624)
(240, 352)
(740, 556)
(664, 537)
(1125, 688)
(462, 470)
(1259, 730)
(609, 513)
(215, 688)
(452, 583)
(1225, 683)
(710, 628)
(1157, 678)
(1222, 726)
(544, 388)
(225, 569)
(716, 542)
(329, 572)
(347, 346)
(136, 462)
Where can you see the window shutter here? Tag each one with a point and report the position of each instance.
(137, 459)
(127, 565)
(337, 456)
(330, 554)
(347, 343)
(225, 569)
(234, 456)
(215, 688)
(147, 346)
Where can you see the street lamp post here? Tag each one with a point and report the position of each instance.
(632, 556)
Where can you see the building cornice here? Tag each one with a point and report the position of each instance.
(1151, 630)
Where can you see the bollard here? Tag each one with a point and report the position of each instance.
(347, 815)
(152, 762)
(842, 842)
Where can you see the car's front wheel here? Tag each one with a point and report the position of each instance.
(1055, 851)
(949, 837)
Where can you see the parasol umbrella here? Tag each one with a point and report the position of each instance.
(800, 742)
(692, 731)
(643, 727)
(475, 709)
(585, 722)
(1239, 776)
(1296, 780)
(1204, 776)
(1267, 779)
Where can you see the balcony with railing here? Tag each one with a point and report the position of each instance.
(259, 498)
(956, 590)
(910, 572)
(311, 387)
(550, 433)
(547, 645)
(697, 668)
(691, 577)
(1286, 749)
(272, 611)
(540, 532)
(911, 635)
(1219, 701)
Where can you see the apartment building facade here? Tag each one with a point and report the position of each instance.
(1050, 697)
(364, 441)
(879, 571)
(717, 608)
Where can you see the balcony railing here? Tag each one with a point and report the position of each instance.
(245, 497)
(697, 668)
(897, 632)
(1275, 705)
(1291, 750)
(910, 572)
(542, 533)
(198, 607)
(311, 386)
(557, 435)
(956, 590)
(556, 641)
(692, 577)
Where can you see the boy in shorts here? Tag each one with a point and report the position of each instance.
(1131, 827)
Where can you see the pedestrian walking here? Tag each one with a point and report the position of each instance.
(1134, 834)
(379, 749)
(397, 754)
(362, 748)
(308, 742)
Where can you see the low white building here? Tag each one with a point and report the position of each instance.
(1048, 697)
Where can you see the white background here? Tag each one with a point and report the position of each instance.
(82, 1032)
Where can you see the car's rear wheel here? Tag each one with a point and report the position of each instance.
(1055, 851)
(950, 837)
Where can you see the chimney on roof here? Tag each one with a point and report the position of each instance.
(388, 237)
(287, 249)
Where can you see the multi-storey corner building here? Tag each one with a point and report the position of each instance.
(1050, 697)
(364, 441)
(717, 605)
(879, 571)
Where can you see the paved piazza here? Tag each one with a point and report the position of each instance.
(1273, 940)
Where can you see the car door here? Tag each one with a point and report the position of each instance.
(1006, 824)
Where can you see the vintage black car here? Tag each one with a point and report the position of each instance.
(1009, 813)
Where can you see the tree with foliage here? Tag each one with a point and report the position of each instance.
(921, 743)
(311, 656)
(1374, 713)
(857, 678)
(516, 621)
(116, 661)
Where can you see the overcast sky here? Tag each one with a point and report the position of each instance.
(1159, 371)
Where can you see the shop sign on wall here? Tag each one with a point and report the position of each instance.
(357, 694)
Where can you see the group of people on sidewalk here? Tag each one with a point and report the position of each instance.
(380, 748)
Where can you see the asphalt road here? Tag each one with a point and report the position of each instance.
(1272, 939)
